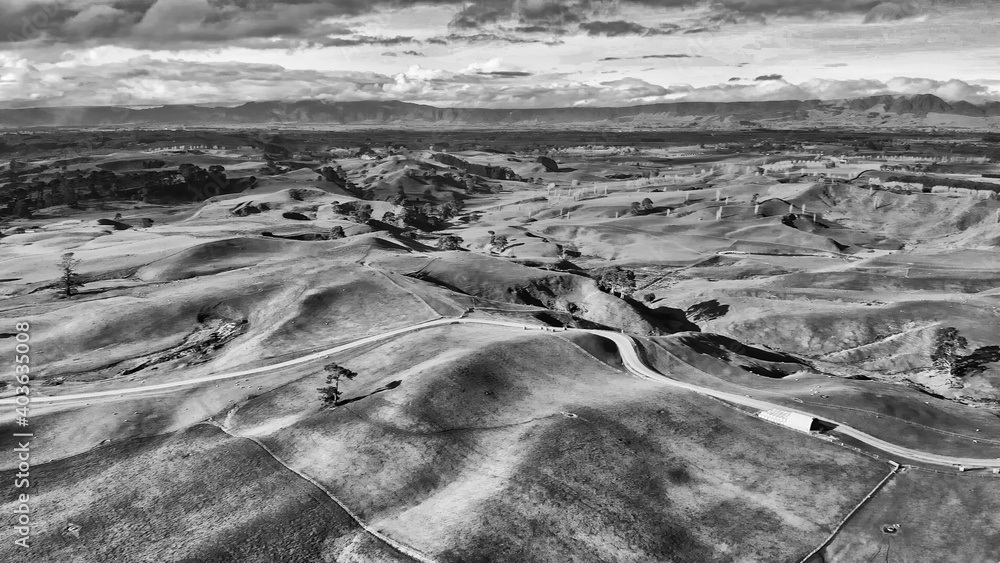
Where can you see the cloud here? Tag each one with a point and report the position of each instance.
(825, 89)
(536, 29)
(892, 11)
(666, 56)
(869, 11)
(621, 27)
(493, 67)
(768, 77)
(365, 40)
(506, 73)
(635, 87)
(175, 24)
(480, 14)
(811, 8)
(946, 89)
(146, 80)
(486, 38)
(530, 16)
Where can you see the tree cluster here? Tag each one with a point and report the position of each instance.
(949, 354)
(615, 280)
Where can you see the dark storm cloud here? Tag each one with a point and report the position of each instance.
(544, 15)
(26, 21)
(481, 14)
(871, 11)
(366, 40)
(621, 27)
(792, 7)
(538, 29)
(176, 24)
(483, 38)
(181, 23)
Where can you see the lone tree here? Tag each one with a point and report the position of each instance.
(948, 347)
(335, 373)
(70, 279)
(647, 204)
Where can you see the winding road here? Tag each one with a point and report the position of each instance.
(630, 357)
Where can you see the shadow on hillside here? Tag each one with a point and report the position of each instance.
(386, 387)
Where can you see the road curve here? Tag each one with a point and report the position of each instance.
(630, 358)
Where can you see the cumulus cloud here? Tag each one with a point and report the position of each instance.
(825, 89)
(490, 82)
(948, 89)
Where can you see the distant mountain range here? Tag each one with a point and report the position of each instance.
(870, 112)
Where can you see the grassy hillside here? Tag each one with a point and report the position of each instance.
(197, 495)
(506, 446)
(946, 518)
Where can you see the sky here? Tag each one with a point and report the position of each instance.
(498, 54)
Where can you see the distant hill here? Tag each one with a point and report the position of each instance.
(870, 112)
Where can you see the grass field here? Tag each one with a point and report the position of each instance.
(516, 447)
(941, 518)
(893, 412)
(477, 443)
(198, 495)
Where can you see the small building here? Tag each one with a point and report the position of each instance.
(792, 420)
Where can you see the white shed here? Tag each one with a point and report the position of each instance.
(792, 420)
